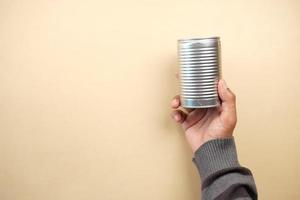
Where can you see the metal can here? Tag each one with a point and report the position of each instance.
(200, 70)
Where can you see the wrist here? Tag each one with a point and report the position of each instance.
(197, 144)
(215, 155)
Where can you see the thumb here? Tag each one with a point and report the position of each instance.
(228, 102)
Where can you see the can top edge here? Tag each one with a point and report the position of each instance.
(198, 39)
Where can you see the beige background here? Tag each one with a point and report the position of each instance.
(85, 89)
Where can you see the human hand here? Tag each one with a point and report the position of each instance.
(204, 124)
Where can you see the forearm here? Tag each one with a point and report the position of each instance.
(221, 175)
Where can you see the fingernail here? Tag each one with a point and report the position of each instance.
(224, 84)
(175, 102)
(177, 117)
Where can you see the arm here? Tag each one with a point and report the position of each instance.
(209, 133)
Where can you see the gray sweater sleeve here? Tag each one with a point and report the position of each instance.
(222, 176)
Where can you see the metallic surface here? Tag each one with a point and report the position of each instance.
(200, 70)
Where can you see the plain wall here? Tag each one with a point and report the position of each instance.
(85, 89)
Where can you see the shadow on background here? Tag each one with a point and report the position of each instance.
(188, 169)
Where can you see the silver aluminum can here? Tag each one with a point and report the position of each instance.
(200, 70)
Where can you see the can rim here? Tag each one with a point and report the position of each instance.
(198, 38)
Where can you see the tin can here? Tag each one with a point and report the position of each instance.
(200, 71)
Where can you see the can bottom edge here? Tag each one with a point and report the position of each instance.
(199, 103)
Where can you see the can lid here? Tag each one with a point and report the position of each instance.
(199, 42)
(198, 39)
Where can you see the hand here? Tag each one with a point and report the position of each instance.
(204, 124)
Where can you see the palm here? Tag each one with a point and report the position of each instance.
(208, 121)
(204, 125)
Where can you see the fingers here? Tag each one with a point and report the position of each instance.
(186, 119)
(228, 102)
(179, 116)
(194, 117)
(176, 103)
(225, 93)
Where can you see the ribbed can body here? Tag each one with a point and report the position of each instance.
(200, 70)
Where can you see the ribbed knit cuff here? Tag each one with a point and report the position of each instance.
(216, 155)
